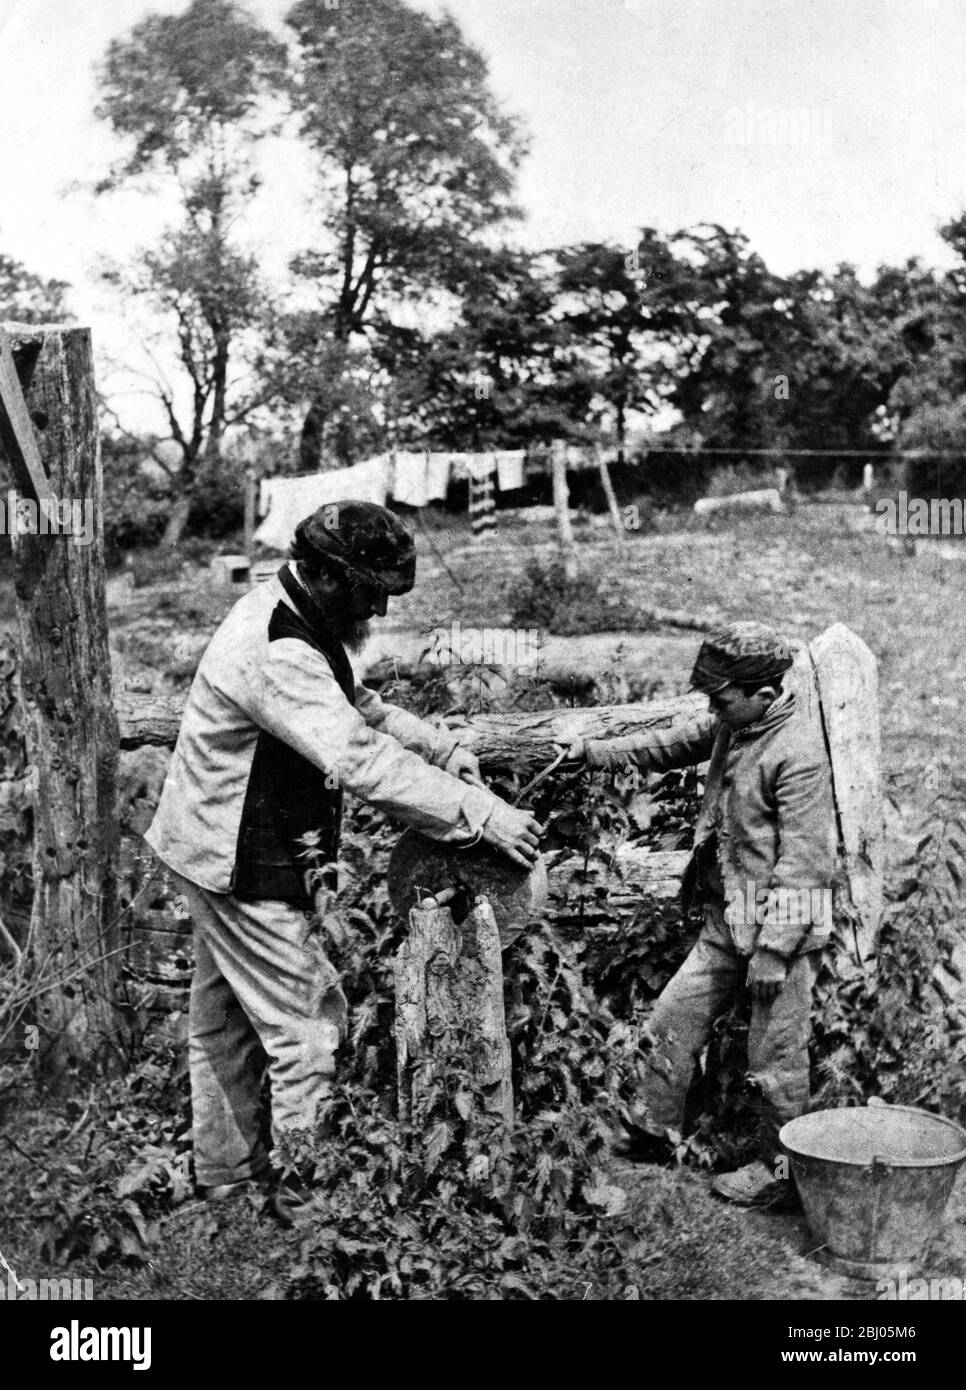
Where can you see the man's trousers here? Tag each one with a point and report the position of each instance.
(263, 993)
(704, 988)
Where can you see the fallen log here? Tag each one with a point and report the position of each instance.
(765, 499)
(510, 740)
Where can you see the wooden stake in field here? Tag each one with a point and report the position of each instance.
(561, 503)
(48, 413)
(612, 504)
(251, 492)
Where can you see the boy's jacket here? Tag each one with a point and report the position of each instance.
(768, 803)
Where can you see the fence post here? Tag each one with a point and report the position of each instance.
(449, 1007)
(66, 689)
(561, 504)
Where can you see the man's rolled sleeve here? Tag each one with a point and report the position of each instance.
(433, 742)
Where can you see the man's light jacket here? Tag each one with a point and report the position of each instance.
(284, 686)
(769, 810)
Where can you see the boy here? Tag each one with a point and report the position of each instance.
(764, 856)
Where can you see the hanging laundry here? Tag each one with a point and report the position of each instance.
(438, 469)
(509, 469)
(409, 479)
(482, 507)
(479, 467)
(291, 499)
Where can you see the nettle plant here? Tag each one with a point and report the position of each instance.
(892, 1028)
(449, 1205)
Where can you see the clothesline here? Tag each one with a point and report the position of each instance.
(415, 478)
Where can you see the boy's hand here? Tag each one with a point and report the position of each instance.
(767, 973)
(574, 750)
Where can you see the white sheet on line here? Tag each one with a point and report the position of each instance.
(291, 499)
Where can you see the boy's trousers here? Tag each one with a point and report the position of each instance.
(263, 993)
(681, 1023)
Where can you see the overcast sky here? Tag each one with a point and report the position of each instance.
(827, 130)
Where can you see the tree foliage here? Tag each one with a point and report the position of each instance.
(416, 160)
(28, 298)
(187, 93)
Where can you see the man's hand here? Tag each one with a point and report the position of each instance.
(766, 976)
(465, 765)
(514, 832)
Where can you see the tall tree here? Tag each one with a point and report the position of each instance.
(742, 333)
(187, 93)
(499, 375)
(622, 316)
(416, 161)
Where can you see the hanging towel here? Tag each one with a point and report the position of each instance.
(292, 499)
(482, 507)
(409, 481)
(509, 469)
(438, 467)
(480, 467)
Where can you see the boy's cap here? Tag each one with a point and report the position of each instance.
(365, 541)
(739, 653)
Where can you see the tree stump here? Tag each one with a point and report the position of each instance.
(449, 1008)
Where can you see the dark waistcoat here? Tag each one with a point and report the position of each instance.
(287, 796)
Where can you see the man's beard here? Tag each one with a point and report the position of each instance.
(351, 633)
(334, 608)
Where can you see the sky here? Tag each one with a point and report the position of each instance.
(826, 130)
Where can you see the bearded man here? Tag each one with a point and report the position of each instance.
(275, 729)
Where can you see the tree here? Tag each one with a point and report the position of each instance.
(927, 405)
(742, 332)
(806, 361)
(187, 93)
(416, 161)
(499, 375)
(27, 298)
(621, 314)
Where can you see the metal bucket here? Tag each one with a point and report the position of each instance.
(874, 1182)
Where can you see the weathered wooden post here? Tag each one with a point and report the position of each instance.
(251, 490)
(561, 504)
(449, 1007)
(66, 687)
(613, 506)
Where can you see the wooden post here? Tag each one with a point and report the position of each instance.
(847, 678)
(612, 506)
(561, 502)
(449, 1007)
(251, 487)
(70, 721)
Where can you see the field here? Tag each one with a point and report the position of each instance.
(801, 572)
